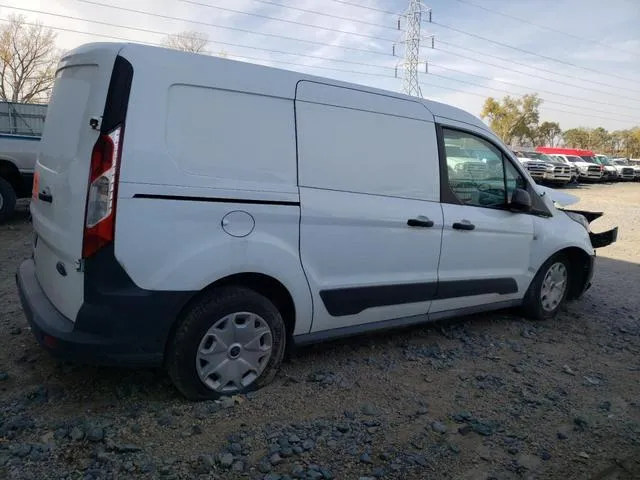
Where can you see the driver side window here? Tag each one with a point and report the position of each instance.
(478, 173)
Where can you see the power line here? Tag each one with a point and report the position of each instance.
(529, 88)
(513, 93)
(316, 57)
(480, 37)
(217, 42)
(366, 7)
(486, 54)
(314, 12)
(235, 29)
(522, 50)
(312, 42)
(465, 92)
(291, 22)
(502, 67)
(544, 27)
(355, 72)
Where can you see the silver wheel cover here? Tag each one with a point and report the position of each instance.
(234, 352)
(554, 286)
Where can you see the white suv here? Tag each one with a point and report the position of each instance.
(206, 214)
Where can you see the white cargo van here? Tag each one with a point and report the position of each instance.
(206, 214)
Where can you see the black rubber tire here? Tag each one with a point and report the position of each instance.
(181, 353)
(532, 304)
(9, 200)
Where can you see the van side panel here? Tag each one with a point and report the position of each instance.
(367, 165)
(208, 182)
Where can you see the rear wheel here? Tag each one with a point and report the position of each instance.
(549, 288)
(232, 341)
(7, 200)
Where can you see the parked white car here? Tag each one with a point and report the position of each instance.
(586, 170)
(610, 171)
(626, 171)
(206, 214)
(546, 169)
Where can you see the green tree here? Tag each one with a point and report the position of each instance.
(549, 134)
(576, 138)
(599, 140)
(513, 119)
(631, 142)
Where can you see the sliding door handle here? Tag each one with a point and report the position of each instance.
(464, 225)
(421, 221)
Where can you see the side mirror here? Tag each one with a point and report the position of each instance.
(520, 201)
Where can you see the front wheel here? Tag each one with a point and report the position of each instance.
(231, 341)
(549, 288)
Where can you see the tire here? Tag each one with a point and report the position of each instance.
(534, 306)
(232, 309)
(7, 200)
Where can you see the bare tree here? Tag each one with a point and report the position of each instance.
(28, 60)
(187, 41)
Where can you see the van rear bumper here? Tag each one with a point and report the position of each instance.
(122, 345)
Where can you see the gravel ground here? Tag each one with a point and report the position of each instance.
(489, 396)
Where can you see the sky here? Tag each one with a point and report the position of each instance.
(581, 56)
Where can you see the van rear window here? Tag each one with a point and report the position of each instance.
(66, 115)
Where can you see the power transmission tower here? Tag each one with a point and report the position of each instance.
(413, 16)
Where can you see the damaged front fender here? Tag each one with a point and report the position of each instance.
(598, 240)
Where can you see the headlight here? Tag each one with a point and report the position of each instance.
(576, 217)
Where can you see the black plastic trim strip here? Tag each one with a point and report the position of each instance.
(467, 288)
(351, 301)
(216, 199)
(115, 110)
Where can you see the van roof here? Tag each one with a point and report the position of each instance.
(279, 82)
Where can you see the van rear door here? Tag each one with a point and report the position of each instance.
(62, 172)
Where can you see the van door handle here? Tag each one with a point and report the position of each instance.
(45, 197)
(464, 225)
(420, 222)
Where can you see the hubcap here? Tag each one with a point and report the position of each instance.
(234, 352)
(554, 286)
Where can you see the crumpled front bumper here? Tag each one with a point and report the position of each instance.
(598, 240)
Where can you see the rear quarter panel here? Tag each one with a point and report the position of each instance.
(203, 128)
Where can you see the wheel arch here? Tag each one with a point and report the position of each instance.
(265, 285)
(579, 271)
(9, 171)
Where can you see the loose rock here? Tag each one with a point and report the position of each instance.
(439, 427)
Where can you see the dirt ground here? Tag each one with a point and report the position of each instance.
(484, 397)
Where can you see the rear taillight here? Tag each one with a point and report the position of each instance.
(99, 228)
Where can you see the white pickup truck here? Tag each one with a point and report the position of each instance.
(20, 130)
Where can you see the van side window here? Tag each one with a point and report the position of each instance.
(479, 174)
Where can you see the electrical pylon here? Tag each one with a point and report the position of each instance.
(414, 16)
